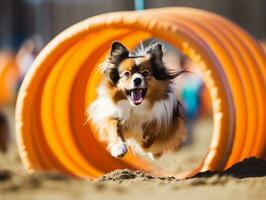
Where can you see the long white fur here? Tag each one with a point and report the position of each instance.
(162, 111)
(142, 50)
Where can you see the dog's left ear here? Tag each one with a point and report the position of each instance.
(118, 53)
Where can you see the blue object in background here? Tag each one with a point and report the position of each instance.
(139, 4)
(190, 95)
(191, 100)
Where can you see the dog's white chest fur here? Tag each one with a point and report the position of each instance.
(131, 117)
(127, 112)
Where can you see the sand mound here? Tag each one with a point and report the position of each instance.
(126, 175)
(251, 167)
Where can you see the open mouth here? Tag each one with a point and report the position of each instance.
(137, 95)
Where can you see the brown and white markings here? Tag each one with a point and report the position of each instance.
(137, 103)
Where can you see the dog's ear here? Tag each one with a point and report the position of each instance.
(156, 54)
(160, 71)
(118, 53)
(156, 51)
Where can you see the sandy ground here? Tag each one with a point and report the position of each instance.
(245, 180)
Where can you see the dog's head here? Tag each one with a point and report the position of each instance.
(138, 77)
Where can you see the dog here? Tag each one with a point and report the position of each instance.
(137, 105)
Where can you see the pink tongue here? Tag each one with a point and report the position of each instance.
(136, 96)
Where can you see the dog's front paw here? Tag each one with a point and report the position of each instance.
(118, 150)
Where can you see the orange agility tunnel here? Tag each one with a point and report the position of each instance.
(51, 126)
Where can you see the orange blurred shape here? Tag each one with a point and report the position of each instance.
(9, 75)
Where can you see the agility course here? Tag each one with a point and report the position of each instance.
(50, 114)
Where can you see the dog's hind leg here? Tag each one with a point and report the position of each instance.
(147, 140)
(149, 135)
(154, 156)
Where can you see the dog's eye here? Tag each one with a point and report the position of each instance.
(146, 73)
(126, 74)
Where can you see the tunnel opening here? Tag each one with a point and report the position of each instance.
(196, 101)
(62, 82)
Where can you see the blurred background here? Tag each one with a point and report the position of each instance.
(20, 19)
(26, 26)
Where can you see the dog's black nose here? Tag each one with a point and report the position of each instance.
(137, 81)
